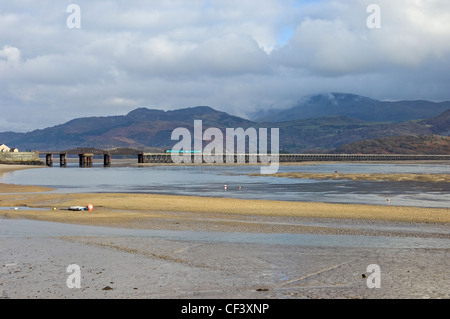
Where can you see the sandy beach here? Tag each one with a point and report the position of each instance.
(7, 168)
(326, 256)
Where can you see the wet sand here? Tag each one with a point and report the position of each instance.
(138, 210)
(159, 267)
(133, 267)
(421, 178)
(8, 168)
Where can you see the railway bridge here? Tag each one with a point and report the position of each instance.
(86, 156)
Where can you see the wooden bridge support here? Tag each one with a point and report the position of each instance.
(86, 160)
(49, 159)
(63, 159)
(106, 159)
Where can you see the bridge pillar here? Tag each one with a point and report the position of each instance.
(86, 160)
(107, 159)
(49, 159)
(62, 159)
(141, 158)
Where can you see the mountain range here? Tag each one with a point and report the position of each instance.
(336, 131)
(354, 106)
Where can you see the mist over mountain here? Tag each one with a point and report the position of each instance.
(354, 106)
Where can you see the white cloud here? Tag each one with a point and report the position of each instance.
(10, 58)
(339, 41)
(234, 55)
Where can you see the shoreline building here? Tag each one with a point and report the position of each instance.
(4, 148)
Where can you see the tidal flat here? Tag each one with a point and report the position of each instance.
(167, 246)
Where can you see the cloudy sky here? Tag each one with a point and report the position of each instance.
(237, 56)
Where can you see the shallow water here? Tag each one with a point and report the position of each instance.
(30, 228)
(20, 208)
(210, 181)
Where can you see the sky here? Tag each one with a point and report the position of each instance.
(108, 57)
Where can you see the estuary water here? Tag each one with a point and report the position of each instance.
(210, 180)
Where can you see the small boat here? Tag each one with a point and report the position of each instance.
(77, 208)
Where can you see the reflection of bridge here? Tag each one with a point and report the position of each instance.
(86, 156)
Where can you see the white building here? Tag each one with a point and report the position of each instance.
(4, 148)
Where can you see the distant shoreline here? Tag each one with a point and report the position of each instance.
(405, 177)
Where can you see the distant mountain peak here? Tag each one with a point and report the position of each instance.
(143, 113)
(202, 108)
(195, 110)
(332, 98)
